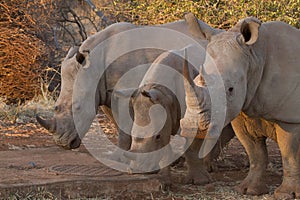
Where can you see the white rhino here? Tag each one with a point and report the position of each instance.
(90, 53)
(163, 85)
(259, 64)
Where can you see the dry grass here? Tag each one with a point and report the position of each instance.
(25, 113)
(218, 13)
(222, 191)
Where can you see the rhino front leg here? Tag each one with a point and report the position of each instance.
(255, 182)
(289, 144)
(124, 140)
(226, 135)
(197, 172)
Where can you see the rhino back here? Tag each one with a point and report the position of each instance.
(116, 69)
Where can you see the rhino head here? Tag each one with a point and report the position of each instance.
(156, 118)
(151, 137)
(233, 56)
(62, 124)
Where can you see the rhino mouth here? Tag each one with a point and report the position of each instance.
(73, 143)
(139, 164)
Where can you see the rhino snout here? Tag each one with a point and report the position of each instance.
(71, 143)
(75, 143)
(141, 163)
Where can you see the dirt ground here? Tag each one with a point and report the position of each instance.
(231, 167)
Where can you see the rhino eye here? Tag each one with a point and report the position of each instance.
(230, 89)
(57, 108)
(157, 137)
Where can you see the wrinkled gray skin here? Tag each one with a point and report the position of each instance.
(260, 66)
(153, 93)
(62, 125)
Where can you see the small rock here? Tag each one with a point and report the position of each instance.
(14, 147)
(32, 164)
(30, 146)
(210, 187)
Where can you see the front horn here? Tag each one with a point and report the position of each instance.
(48, 124)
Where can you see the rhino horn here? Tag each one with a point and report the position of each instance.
(47, 124)
(189, 85)
(192, 98)
(188, 81)
(202, 74)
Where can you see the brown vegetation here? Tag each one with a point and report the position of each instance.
(21, 53)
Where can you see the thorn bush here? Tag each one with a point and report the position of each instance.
(20, 53)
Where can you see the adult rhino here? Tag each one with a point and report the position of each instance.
(91, 53)
(260, 67)
(163, 85)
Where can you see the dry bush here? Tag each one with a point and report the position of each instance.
(31, 46)
(20, 53)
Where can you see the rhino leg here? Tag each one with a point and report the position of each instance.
(226, 135)
(289, 144)
(124, 140)
(197, 172)
(255, 182)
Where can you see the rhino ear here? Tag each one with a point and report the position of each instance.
(83, 58)
(124, 93)
(249, 29)
(152, 94)
(80, 58)
(72, 51)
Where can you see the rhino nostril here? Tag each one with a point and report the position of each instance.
(57, 108)
(75, 143)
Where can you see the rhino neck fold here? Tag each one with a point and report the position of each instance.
(257, 62)
(102, 93)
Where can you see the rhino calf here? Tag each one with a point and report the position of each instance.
(163, 85)
(259, 64)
